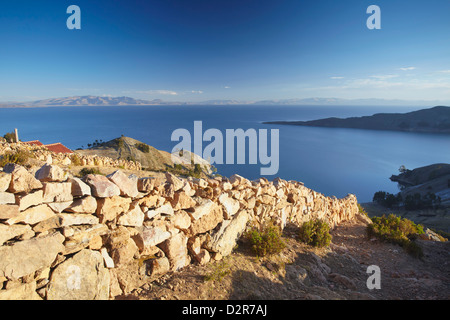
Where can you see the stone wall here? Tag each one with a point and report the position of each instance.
(62, 237)
(43, 154)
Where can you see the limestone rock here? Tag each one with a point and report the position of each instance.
(5, 180)
(82, 277)
(175, 249)
(181, 220)
(208, 221)
(164, 209)
(10, 232)
(177, 183)
(32, 215)
(204, 207)
(7, 198)
(26, 291)
(57, 192)
(124, 253)
(154, 236)
(101, 186)
(126, 184)
(160, 266)
(59, 207)
(51, 173)
(109, 208)
(25, 257)
(182, 201)
(133, 218)
(30, 199)
(87, 204)
(146, 184)
(109, 263)
(21, 179)
(225, 238)
(8, 211)
(79, 188)
(230, 205)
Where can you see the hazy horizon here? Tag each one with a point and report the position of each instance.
(241, 50)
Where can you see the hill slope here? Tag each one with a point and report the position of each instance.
(434, 120)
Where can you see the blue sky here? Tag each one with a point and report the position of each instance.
(196, 50)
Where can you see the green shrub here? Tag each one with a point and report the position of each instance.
(19, 157)
(266, 240)
(315, 233)
(362, 210)
(86, 171)
(143, 147)
(218, 272)
(10, 137)
(397, 230)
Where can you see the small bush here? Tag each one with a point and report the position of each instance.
(76, 160)
(86, 171)
(219, 271)
(266, 240)
(315, 233)
(143, 147)
(397, 230)
(362, 210)
(10, 137)
(19, 157)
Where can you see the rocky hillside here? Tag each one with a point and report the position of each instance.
(150, 158)
(436, 120)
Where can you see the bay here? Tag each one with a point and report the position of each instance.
(332, 161)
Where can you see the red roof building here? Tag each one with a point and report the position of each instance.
(54, 147)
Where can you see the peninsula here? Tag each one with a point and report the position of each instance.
(433, 120)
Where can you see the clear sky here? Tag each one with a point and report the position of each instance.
(195, 50)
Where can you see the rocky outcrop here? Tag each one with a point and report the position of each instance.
(98, 237)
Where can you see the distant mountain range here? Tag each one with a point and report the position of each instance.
(435, 120)
(127, 101)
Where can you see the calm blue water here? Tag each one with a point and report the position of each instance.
(331, 161)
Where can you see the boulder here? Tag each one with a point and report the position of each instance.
(224, 240)
(10, 232)
(21, 179)
(204, 207)
(51, 173)
(177, 183)
(57, 192)
(175, 249)
(79, 188)
(208, 221)
(8, 211)
(126, 184)
(123, 253)
(26, 291)
(82, 277)
(32, 215)
(31, 199)
(182, 201)
(230, 205)
(146, 184)
(87, 204)
(7, 198)
(164, 209)
(154, 235)
(109, 208)
(101, 186)
(25, 257)
(133, 218)
(5, 180)
(181, 220)
(159, 266)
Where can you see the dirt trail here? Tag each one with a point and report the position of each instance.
(302, 272)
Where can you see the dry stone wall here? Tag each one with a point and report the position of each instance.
(63, 237)
(43, 154)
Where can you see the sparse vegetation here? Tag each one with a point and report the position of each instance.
(266, 240)
(143, 147)
(397, 230)
(362, 210)
(10, 137)
(85, 171)
(219, 271)
(315, 233)
(19, 157)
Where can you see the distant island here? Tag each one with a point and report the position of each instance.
(433, 120)
(90, 100)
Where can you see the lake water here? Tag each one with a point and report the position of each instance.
(330, 161)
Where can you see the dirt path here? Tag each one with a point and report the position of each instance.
(302, 272)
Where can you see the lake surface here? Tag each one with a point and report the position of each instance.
(330, 161)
